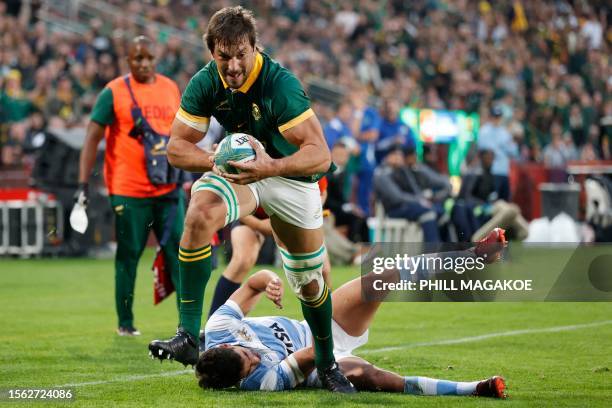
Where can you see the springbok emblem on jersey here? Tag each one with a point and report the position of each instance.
(256, 112)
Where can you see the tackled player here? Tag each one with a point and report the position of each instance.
(274, 353)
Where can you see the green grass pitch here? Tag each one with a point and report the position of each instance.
(58, 329)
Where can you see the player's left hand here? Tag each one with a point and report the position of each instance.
(274, 292)
(254, 170)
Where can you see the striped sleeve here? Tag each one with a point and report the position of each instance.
(279, 377)
(222, 324)
(197, 122)
(196, 101)
(225, 317)
(290, 104)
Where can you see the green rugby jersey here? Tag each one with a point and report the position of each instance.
(270, 101)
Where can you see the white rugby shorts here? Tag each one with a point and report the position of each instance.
(295, 202)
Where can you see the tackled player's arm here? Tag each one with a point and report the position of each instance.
(262, 226)
(182, 150)
(301, 363)
(283, 376)
(247, 296)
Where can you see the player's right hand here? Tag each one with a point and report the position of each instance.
(213, 166)
(274, 292)
(254, 170)
(81, 195)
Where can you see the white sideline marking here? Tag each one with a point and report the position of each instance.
(369, 351)
(488, 336)
(126, 379)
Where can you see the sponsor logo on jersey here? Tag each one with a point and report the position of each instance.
(222, 106)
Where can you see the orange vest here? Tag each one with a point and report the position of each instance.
(125, 169)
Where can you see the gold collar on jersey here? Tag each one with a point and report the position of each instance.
(252, 76)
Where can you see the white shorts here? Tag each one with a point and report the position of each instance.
(295, 202)
(344, 345)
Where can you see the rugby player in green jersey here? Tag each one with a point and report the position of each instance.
(248, 92)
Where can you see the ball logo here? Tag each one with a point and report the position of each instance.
(241, 140)
(235, 147)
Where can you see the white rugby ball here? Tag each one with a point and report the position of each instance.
(234, 147)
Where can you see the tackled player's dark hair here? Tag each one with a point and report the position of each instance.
(218, 368)
(229, 26)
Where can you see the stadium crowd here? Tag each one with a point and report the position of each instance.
(538, 73)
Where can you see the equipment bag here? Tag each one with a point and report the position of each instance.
(159, 171)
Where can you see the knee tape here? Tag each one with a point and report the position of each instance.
(301, 269)
(223, 189)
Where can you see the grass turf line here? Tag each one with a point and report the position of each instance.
(58, 328)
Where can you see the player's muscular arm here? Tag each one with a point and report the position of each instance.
(313, 155)
(183, 152)
(95, 133)
(304, 359)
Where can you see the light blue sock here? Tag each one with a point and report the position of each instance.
(433, 386)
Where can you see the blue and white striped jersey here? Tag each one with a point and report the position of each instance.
(274, 338)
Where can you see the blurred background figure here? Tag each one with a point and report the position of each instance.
(401, 196)
(482, 193)
(495, 137)
(347, 215)
(560, 150)
(392, 130)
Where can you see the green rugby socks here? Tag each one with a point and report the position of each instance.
(194, 271)
(318, 314)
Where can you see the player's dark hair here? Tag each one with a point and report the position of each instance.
(229, 26)
(218, 368)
